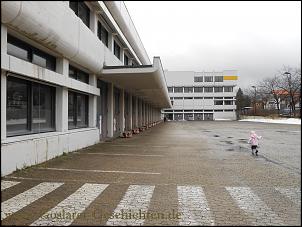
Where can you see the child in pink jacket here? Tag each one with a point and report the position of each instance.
(253, 140)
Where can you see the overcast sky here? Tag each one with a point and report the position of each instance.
(255, 38)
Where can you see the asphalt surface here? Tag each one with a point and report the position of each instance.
(191, 173)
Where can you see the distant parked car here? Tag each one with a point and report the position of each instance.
(285, 112)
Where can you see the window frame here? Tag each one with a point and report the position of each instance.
(101, 32)
(75, 110)
(75, 7)
(31, 51)
(30, 84)
(78, 74)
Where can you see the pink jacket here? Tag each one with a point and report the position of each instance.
(254, 139)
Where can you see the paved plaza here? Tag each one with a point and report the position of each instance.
(176, 173)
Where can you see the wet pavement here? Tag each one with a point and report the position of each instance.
(176, 173)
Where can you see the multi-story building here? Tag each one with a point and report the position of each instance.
(201, 95)
(72, 74)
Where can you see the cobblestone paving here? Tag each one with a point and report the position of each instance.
(184, 173)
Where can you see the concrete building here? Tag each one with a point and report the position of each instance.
(72, 75)
(201, 95)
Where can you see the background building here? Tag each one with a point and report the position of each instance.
(72, 74)
(201, 95)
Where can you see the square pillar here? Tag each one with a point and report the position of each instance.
(62, 67)
(122, 111)
(3, 103)
(130, 114)
(136, 113)
(110, 110)
(92, 103)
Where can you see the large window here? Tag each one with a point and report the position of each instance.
(77, 110)
(81, 10)
(208, 79)
(78, 74)
(126, 60)
(198, 78)
(198, 89)
(117, 50)
(103, 34)
(30, 107)
(178, 89)
(218, 78)
(218, 102)
(22, 50)
(188, 89)
(228, 102)
(218, 89)
(208, 89)
(228, 89)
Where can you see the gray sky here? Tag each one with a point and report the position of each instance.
(256, 38)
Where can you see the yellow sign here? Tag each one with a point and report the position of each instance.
(230, 77)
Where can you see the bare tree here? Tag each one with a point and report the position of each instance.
(290, 83)
(268, 88)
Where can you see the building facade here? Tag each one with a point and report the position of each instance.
(72, 75)
(201, 95)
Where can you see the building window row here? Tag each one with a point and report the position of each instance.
(200, 89)
(83, 12)
(208, 78)
(178, 98)
(78, 74)
(24, 51)
(198, 110)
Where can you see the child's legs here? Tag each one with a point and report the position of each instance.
(253, 148)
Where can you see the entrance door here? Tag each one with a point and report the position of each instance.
(116, 111)
(102, 109)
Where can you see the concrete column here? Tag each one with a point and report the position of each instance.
(3, 39)
(130, 111)
(143, 113)
(3, 104)
(92, 103)
(110, 41)
(122, 55)
(122, 111)
(140, 117)
(62, 67)
(136, 113)
(110, 110)
(93, 22)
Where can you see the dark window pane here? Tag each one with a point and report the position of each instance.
(126, 60)
(188, 89)
(178, 89)
(208, 89)
(198, 79)
(39, 60)
(74, 6)
(78, 74)
(29, 53)
(77, 110)
(84, 13)
(82, 107)
(228, 89)
(218, 89)
(117, 50)
(71, 111)
(17, 107)
(170, 89)
(198, 89)
(17, 48)
(208, 79)
(218, 78)
(43, 108)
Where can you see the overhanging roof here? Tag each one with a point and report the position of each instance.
(146, 82)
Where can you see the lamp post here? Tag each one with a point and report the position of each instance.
(254, 100)
(288, 76)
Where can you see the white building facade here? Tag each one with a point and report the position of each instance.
(201, 95)
(72, 75)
